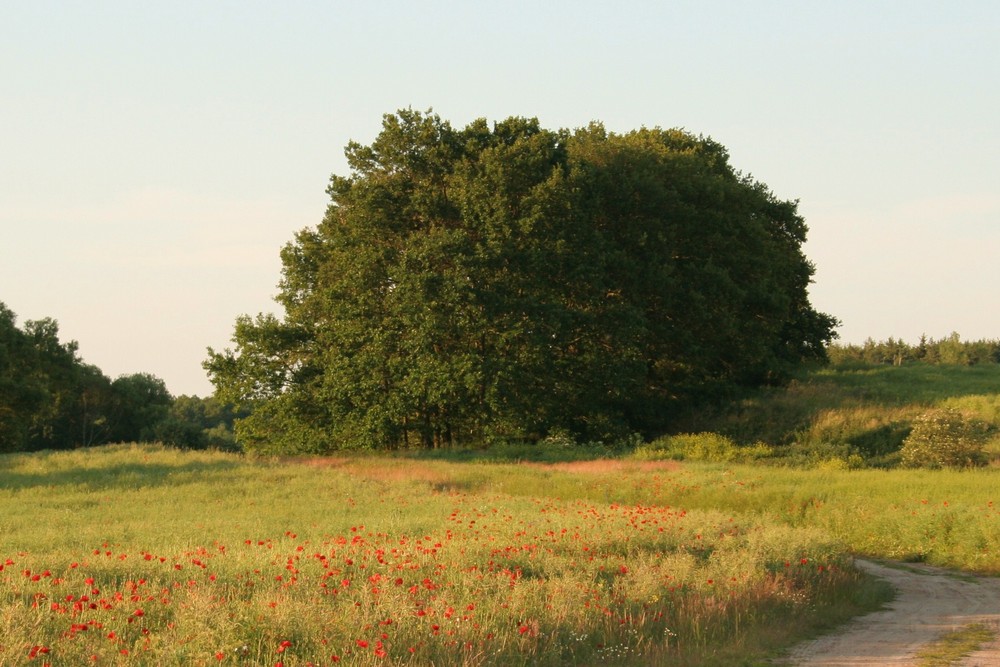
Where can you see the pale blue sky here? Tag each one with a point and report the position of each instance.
(155, 156)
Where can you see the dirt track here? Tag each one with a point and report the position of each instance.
(930, 602)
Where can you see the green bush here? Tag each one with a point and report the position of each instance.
(945, 438)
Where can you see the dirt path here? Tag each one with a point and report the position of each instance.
(930, 602)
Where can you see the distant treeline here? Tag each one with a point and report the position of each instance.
(949, 350)
(51, 399)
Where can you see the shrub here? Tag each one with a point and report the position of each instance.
(945, 438)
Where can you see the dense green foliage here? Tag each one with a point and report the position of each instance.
(513, 282)
(197, 423)
(51, 399)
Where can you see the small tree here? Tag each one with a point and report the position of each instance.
(945, 439)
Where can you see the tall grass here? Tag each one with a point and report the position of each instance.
(949, 518)
(144, 555)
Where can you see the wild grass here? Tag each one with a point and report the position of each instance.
(551, 555)
(866, 412)
(953, 646)
(144, 555)
(949, 518)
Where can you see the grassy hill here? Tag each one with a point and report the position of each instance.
(852, 410)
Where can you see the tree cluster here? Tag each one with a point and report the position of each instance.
(510, 282)
(51, 399)
(896, 352)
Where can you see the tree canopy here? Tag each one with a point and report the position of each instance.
(51, 399)
(950, 350)
(512, 282)
(47, 394)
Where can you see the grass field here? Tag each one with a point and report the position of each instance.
(143, 555)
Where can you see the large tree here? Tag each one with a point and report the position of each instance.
(512, 281)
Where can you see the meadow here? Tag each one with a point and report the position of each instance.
(139, 554)
(556, 555)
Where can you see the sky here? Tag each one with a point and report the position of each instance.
(156, 156)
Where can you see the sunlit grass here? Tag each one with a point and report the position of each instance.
(834, 412)
(913, 383)
(145, 555)
(948, 518)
